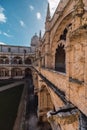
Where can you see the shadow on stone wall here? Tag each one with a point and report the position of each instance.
(31, 119)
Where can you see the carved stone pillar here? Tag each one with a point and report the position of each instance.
(10, 72)
(53, 60)
(69, 59)
(47, 55)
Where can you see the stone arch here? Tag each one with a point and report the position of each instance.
(17, 60)
(60, 40)
(28, 72)
(16, 72)
(60, 58)
(4, 60)
(28, 61)
(4, 72)
(60, 31)
(45, 102)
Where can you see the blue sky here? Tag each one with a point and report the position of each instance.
(21, 19)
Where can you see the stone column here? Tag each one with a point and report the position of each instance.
(47, 55)
(53, 60)
(23, 60)
(69, 61)
(83, 122)
(10, 73)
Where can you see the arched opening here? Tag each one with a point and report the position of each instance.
(60, 59)
(4, 60)
(4, 72)
(16, 72)
(63, 35)
(1, 61)
(14, 61)
(28, 61)
(45, 102)
(17, 60)
(28, 72)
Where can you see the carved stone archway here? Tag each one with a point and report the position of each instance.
(28, 72)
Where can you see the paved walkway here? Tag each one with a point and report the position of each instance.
(11, 85)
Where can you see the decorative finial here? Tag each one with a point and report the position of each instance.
(40, 35)
(48, 13)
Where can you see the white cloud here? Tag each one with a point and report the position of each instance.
(2, 15)
(2, 43)
(53, 5)
(31, 7)
(38, 15)
(22, 23)
(6, 34)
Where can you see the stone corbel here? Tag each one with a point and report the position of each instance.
(64, 118)
(69, 119)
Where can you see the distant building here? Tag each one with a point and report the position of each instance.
(15, 60)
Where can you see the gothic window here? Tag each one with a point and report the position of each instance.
(60, 59)
(63, 35)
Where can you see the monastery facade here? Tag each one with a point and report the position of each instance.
(59, 66)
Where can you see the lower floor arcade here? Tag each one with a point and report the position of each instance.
(14, 72)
